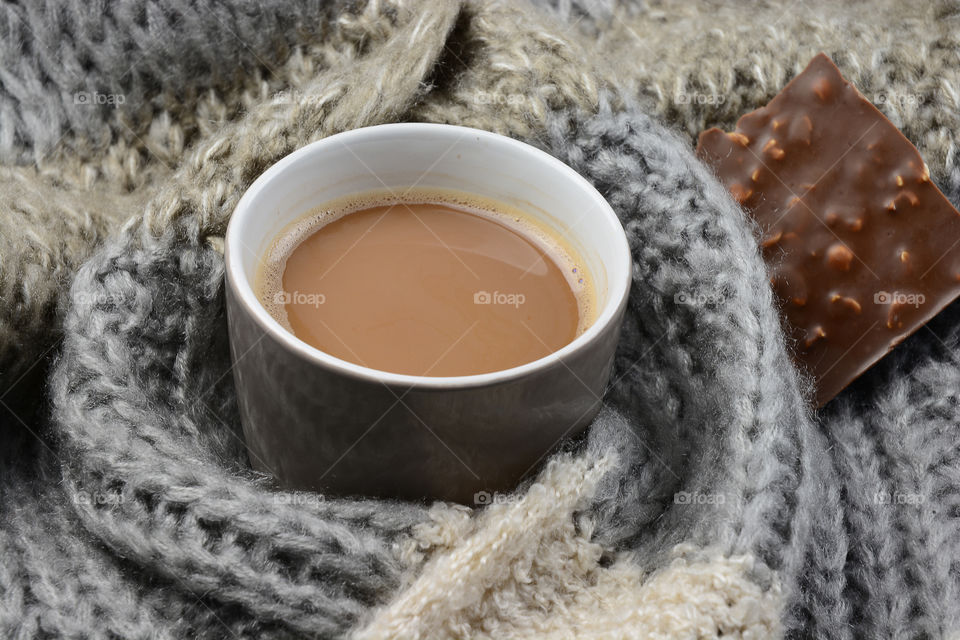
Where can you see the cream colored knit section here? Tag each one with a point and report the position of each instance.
(521, 63)
(701, 64)
(526, 568)
(704, 64)
(209, 181)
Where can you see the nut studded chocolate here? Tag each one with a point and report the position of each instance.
(862, 247)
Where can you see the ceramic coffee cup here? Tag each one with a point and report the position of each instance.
(316, 422)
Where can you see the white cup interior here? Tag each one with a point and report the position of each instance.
(398, 156)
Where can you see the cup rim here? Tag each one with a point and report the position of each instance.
(619, 278)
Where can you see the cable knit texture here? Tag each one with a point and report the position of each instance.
(707, 499)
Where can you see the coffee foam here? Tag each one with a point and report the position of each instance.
(269, 281)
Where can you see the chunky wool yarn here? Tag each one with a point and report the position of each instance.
(706, 500)
(61, 58)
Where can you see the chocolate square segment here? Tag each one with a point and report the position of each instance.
(862, 247)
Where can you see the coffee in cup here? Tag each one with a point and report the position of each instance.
(426, 282)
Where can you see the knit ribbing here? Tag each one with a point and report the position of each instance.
(163, 466)
(60, 59)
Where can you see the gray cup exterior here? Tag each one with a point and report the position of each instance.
(317, 429)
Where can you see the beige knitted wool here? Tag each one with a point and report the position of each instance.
(526, 568)
(699, 65)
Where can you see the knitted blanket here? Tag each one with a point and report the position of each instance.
(707, 499)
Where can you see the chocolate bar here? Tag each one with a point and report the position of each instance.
(862, 247)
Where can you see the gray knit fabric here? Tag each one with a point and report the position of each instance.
(59, 57)
(134, 514)
(714, 412)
